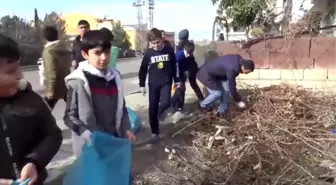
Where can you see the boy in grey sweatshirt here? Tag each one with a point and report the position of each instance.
(95, 100)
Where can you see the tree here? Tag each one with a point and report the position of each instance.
(121, 39)
(53, 19)
(17, 28)
(241, 13)
(37, 26)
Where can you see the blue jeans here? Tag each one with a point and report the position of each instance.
(214, 95)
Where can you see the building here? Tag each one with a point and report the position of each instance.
(72, 19)
(137, 37)
(301, 7)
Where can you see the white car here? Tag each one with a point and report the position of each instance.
(41, 70)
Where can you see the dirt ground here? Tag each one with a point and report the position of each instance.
(151, 163)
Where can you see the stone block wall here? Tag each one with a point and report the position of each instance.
(307, 62)
(315, 79)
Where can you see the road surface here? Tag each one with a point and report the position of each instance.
(129, 71)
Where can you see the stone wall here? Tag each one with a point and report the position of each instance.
(308, 62)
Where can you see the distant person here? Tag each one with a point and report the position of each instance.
(77, 57)
(221, 37)
(114, 50)
(95, 100)
(183, 38)
(29, 135)
(160, 63)
(165, 41)
(56, 62)
(219, 77)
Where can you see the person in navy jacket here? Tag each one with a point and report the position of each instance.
(187, 68)
(219, 77)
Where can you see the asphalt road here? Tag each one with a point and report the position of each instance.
(129, 71)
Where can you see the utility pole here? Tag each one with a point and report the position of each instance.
(151, 13)
(139, 5)
(139, 40)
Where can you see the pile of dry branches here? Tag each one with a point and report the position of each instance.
(284, 137)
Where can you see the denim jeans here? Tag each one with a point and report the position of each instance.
(214, 95)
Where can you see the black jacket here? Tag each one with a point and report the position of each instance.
(223, 68)
(77, 50)
(161, 67)
(26, 121)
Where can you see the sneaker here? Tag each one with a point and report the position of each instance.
(165, 118)
(179, 115)
(155, 138)
(205, 109)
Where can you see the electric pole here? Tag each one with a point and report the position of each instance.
(139, 33)
(139, 5)
(151, 13)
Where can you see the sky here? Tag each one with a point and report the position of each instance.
(169, 15)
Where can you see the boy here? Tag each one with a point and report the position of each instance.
(95, 100)
(183, 38)
(29, 136)
(83, 27)
(219, 76)
(114, 50)
(160, 63)
(187, 69)
(56, 61)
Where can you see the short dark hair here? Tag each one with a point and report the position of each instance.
(108, 33)
(94, 39)
(9, 49)
(248, 64)
(83, 22)
(50, 33)
(154, 34)
(189, 47)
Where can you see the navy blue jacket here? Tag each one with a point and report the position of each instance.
(160, 65)
(223, 68)
(186, 64)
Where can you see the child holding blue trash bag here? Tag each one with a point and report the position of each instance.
(95, 95)
(97, 115)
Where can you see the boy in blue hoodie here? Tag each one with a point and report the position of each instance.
(95, 95)
(187, 70)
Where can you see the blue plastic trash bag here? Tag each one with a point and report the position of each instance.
(107, 161)
(134, 120)
(22, 183)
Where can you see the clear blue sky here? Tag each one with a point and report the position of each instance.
(170, 15)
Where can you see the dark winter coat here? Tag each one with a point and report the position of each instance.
(223, 68)
(34, 137)
(77, 51)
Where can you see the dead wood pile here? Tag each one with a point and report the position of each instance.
(283, 137)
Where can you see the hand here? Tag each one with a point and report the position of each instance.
(6, 181)
(86, 135)
(143, 90)
(177, 85)
(73, 66)
(241, 105)
(49, 96)
(130, 136)
(29, 172)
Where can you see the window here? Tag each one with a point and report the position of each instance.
(238, 29)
